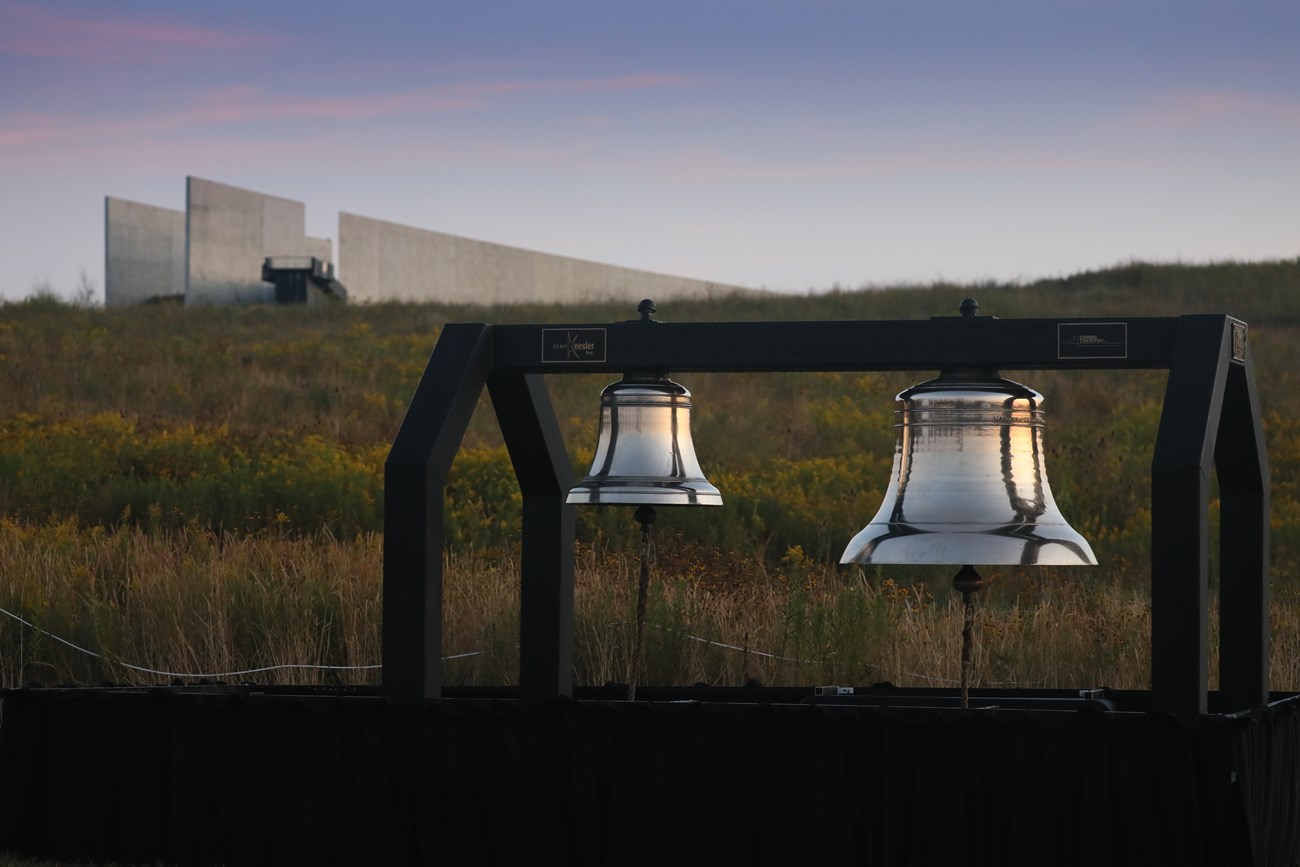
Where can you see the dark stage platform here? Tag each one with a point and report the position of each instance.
(250, 775)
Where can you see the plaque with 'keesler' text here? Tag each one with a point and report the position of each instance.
(573, 344)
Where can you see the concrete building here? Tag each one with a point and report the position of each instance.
(144, 253)
(215, 252)
(382, 261)
(230, 232)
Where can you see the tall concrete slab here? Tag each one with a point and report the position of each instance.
(382, 261)
(320, 248)
(144, 252)
(230, 232)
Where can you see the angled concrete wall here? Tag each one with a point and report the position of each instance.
(320, 248)
(381, 261)
(230, 233)
(213, 252)
(144, 252)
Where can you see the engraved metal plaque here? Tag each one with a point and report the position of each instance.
(1092, 340)
(1239, 342)
(573, 344)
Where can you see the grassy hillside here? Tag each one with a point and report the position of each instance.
(132, 439)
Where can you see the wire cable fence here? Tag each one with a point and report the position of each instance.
(323, 667)
(377, 666)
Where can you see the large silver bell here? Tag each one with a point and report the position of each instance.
(644, 454)
(968, 481)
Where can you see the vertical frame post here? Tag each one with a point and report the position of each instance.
(1180, 480)
(415, 475)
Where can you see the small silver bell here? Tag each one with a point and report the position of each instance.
(644, 453)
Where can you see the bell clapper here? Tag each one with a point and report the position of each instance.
(645, 516)
(968, 581)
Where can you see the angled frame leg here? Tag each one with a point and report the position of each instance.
(532, 435)
(415, 476)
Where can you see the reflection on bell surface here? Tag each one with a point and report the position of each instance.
(968, 482)
(644, 454)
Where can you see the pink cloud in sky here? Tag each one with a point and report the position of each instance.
(41, 32)
(58, 147)
(898, 159)
(242, 104)
(1190, 107)
(454, 97)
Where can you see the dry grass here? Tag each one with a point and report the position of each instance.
(195, 602)
(183, 602)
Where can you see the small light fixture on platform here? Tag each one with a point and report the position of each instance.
(968, 486)
(644, 457)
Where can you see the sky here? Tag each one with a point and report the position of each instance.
(792, 145)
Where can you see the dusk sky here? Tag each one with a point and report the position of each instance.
(785, 144)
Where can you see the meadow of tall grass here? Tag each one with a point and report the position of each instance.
(200, 491)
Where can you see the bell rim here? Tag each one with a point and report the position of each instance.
(634, 495)
(913, 545)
